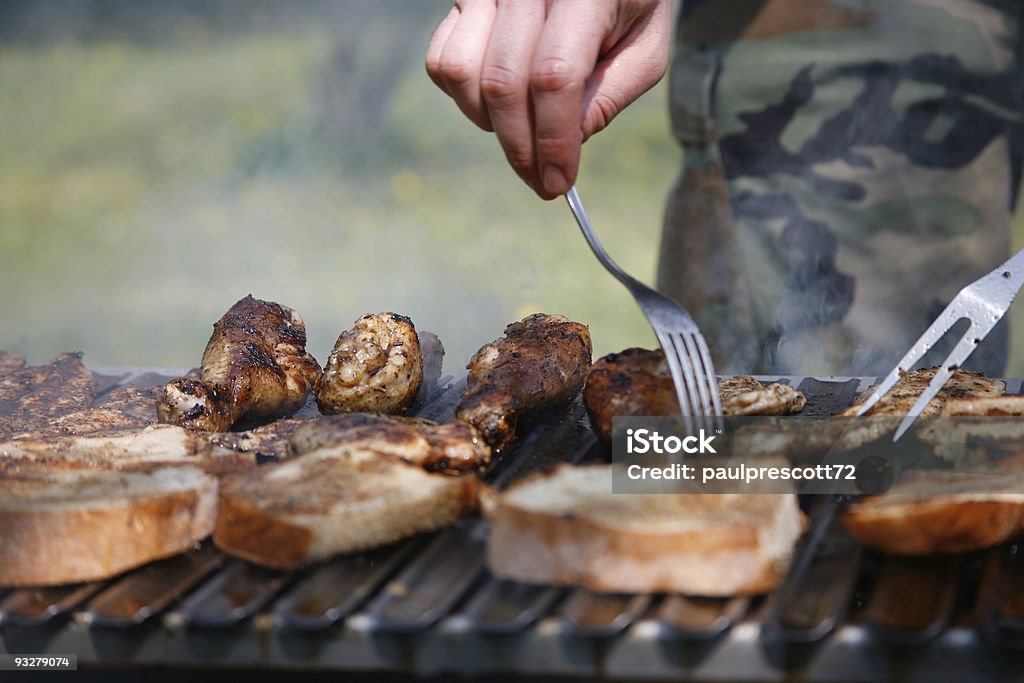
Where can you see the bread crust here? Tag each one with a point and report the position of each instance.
(536, 547)
(71, 543)
(572, 547)
(245, 530)
(942, 525)
(332, 501)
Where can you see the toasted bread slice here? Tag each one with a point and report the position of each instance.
(148, 447)
(567, 527)
(331, 501)
(938, 511)
(61, 526)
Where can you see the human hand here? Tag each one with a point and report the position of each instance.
(545, 75)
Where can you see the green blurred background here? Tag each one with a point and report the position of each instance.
(160, 160)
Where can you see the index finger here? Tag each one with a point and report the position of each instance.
(565, 57)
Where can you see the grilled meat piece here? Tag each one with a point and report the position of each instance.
(32, 397)
(10, 361)
(900, 399)
(123, 410)
(120, 448)
(375, 366)
(255, 365)
(746, 396)
(454, 448)
(542, 361)
(966, 393)
(985, 406)
(638, 382)
(269, 440)
(974, 432)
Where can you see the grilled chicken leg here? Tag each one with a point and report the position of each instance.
(375, 366)
(254, 365)
(543, 360)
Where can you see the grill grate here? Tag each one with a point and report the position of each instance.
(428, 605)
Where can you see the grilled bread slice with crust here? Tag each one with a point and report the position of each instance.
(566, 527)
(60, 526)
(938, 511)
(331, 501)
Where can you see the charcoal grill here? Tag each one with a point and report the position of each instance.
(428, 606)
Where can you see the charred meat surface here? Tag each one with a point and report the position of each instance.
(123, 410)
(638, 382)
(269, 440)
(375, 366)
(114, 447)
(10, 361)
(746, 396)
(454, 448)
(964, 384)
(32, 397)
(541, 361)
(255, 365)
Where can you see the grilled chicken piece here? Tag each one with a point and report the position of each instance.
(900, 399)
(375, 366)
(32, 397)
(638, 382)
(255, 365)
(454, 448)
(746, 396)
(542, 361)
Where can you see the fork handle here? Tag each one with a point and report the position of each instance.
(576, 204)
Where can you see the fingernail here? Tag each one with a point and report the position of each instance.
(554, 180)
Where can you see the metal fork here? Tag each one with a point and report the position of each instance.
(685, 349)
(983, 302)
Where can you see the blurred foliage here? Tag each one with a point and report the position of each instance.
(145, 185)
(159, 160)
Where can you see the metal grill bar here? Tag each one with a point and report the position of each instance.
(150, 590)
(913, 599)
(336, 589)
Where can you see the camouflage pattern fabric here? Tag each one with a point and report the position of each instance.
(849, 166)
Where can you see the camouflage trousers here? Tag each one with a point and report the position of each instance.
(849, 165)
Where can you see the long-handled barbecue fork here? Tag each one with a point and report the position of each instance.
(983, 303)
(685, 349)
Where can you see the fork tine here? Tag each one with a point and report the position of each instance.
(964, 348)
(700, 372)
(679, 378)
(936, 331)
(704, 356)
